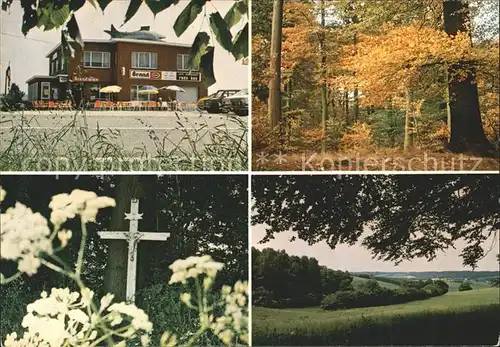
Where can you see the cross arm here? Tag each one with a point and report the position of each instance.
(113, 235)
(155, 236)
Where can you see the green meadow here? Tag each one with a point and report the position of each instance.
(456, 318)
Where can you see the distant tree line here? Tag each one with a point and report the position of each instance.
(281, 280)
(370, 293)
(284, 281)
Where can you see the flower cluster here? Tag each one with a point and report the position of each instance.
(66, 318)
(2, 194)
(24, 235)
(192, 267)
(235, 319)
(80, 202)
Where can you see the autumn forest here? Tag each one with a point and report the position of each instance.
(380, 83)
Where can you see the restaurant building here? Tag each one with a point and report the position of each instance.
(128, 63)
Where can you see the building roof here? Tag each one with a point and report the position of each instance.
(32, 78)
(113, 41)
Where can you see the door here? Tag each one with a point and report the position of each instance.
(190, 95)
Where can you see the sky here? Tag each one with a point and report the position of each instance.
(27, 55)
(358, 259)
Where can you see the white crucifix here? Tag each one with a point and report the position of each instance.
(133, 236)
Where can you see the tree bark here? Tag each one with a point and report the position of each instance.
(275, 65)
(467, 133)
(115, 274)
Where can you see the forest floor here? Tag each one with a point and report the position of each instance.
(441, 318)
(376, 160)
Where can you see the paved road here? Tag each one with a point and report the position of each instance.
(135, 128)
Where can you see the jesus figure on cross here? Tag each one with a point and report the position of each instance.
(133, 236)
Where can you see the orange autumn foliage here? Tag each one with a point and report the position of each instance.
(385, 65)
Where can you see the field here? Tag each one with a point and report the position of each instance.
(456, 318)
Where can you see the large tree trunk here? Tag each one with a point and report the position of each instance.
(275, 65)
(467, 133)
(115, 274)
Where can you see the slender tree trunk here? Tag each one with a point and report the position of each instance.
(115, 274)
(324, 91)
(346, 106)
(467, 133)
(409, 127)
(275, 65)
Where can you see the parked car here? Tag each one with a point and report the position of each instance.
(238, 103)
(214, 102)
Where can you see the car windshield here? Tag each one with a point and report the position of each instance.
(242, 92)
(218, 94)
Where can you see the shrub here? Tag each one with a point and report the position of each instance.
(464, 287)
(360, 136)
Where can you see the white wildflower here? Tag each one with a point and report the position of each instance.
(64, 236)
(140, 320)
(79, 202)
(186, 298)
(3, 193)
(193, 267)
(24, 236)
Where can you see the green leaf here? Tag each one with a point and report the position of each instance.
(75, 5)
(103, 4)
(156, 6)
(132, 9)
(221, 31)
(207, 67)
(188, 15)
(198, 49)
(235, 13)
(60, 16)
(240, 45)
(30, 18)
(74, 30)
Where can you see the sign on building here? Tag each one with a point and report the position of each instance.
(166, 75)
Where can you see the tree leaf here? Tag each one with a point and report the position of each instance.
(221, 31)
(156, 6)
(198, 49)
(132, 9)
(75, 5)
(207, 67)
(59, 16)
(30, 18)
(74, 30)
(103, 4)
(240, 44)
(235, 13)
(188, 15)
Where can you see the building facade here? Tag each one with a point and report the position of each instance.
(128, 63)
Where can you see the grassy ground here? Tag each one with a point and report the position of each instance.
(379, 160)
(455, 318)
(453, 286)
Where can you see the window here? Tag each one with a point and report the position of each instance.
(33, 92)
(134, 94)
(144, 60)
(96, 59)
(45, 90)
(182, 62)
(95, 93)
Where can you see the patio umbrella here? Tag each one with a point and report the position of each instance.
(111, 89)
(148, 90)
(174, 88)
